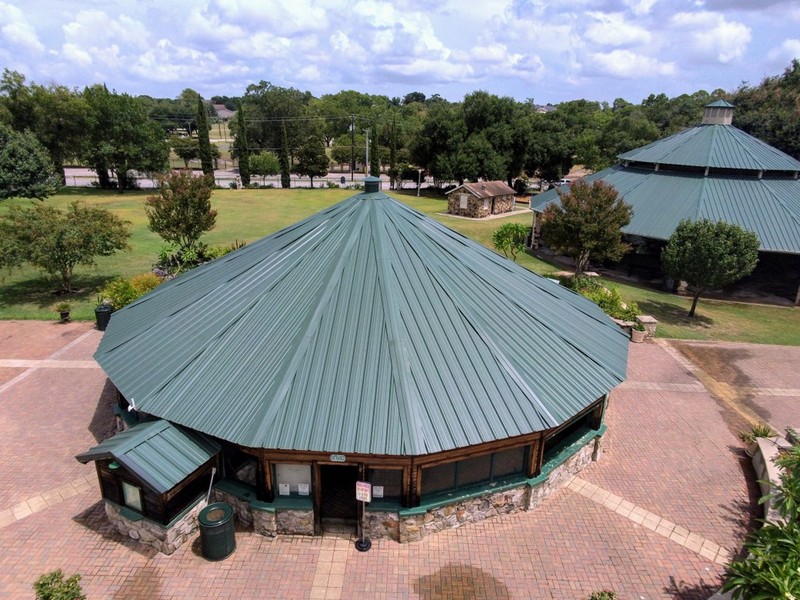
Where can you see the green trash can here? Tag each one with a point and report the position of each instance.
(102, 315)
(217, 533)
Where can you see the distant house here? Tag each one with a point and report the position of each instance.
(481, 199)
(224, 113)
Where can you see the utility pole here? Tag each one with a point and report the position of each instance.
(352, 145)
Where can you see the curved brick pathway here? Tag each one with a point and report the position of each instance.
(657, 517)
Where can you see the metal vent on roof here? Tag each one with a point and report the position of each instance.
(372, 185)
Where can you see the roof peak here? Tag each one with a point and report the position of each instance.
(718, 112)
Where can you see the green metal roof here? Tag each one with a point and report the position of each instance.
(365, 328)
(661, 199)
(715, 146)
(157, 452)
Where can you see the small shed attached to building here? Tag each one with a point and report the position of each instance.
(481, 199)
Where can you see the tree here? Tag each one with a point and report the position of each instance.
(56, 115)
(375, 153)
(772, 562)
(709, 255)
(510, 238)
(56, 241)
(204, 144)
(263, 165)
(240, 147)
(186, 148)
(285, 161)
(26, 170)
(182, 211)
(587, 224)
(311, 159)
(121, 137)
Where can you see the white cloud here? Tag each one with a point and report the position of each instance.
(627, 65)
(17, 32)
(611, 29)
(96, 29)
(640, 7)
(786, 52)
(711, 37)
(290, 17)
(74, 54)
(261, 45)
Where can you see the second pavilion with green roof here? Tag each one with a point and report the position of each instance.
(369, 342)
(713, 171)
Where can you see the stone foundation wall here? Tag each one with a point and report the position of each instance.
(265, 523)
(383, 526)
(503, 204)
(241, 508)
(416, 527)
(296, 522)
(154, 534)
(474, 208)
(561, 475)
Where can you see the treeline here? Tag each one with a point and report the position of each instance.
(483, 136)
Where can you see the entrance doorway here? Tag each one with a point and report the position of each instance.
(338, 503)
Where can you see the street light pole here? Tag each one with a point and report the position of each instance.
(366, 165)
(352, 145)
(419, 180)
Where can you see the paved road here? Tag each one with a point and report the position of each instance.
(657, 517)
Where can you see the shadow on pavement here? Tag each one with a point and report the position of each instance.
(460, 581)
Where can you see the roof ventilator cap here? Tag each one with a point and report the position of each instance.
(372, 185)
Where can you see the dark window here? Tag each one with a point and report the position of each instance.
(474, 470)
(390, 479)
(508, 462)
(438, 478)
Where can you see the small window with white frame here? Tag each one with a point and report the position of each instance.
(132, 496)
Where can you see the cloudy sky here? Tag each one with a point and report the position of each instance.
(548, 50)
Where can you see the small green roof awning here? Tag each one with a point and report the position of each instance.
(159, 453)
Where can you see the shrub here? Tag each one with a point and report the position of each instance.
(603, 595)
(53, 586)
(121, 292)
(510, 238)
(607, 298)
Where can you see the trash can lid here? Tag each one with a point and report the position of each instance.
(216, 513)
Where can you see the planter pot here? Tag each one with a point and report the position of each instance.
(102, 315)
(637, 336)
(64, 314)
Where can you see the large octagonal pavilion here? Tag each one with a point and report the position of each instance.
(366, 342)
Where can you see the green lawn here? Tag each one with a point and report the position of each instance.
(251, 214)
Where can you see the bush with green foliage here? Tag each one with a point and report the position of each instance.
(510, 238)
(607, 298)
(603, 595)
(172, 261)
(53, 586)
(771, 568)
(121, 292)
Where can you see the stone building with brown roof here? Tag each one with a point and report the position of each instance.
(481, 199)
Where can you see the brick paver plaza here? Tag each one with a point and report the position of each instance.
(657, 517)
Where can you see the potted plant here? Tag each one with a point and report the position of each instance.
(749, 437)
(102, 313)
(638, 333)
(63, 308)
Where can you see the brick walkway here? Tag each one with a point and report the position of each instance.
(657, 517)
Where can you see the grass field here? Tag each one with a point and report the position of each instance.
(251, 214)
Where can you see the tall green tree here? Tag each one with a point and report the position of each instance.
(286, 180)
(181, 212)
(312, 161)
(56, 241)
(393, 154)
(56, 115)
(203, 141)
(121, 138)
(587, 223)
(241, 148)
(374, 152)
(26, 170)
(709, 255)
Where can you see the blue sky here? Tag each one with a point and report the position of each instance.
(551, 51)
